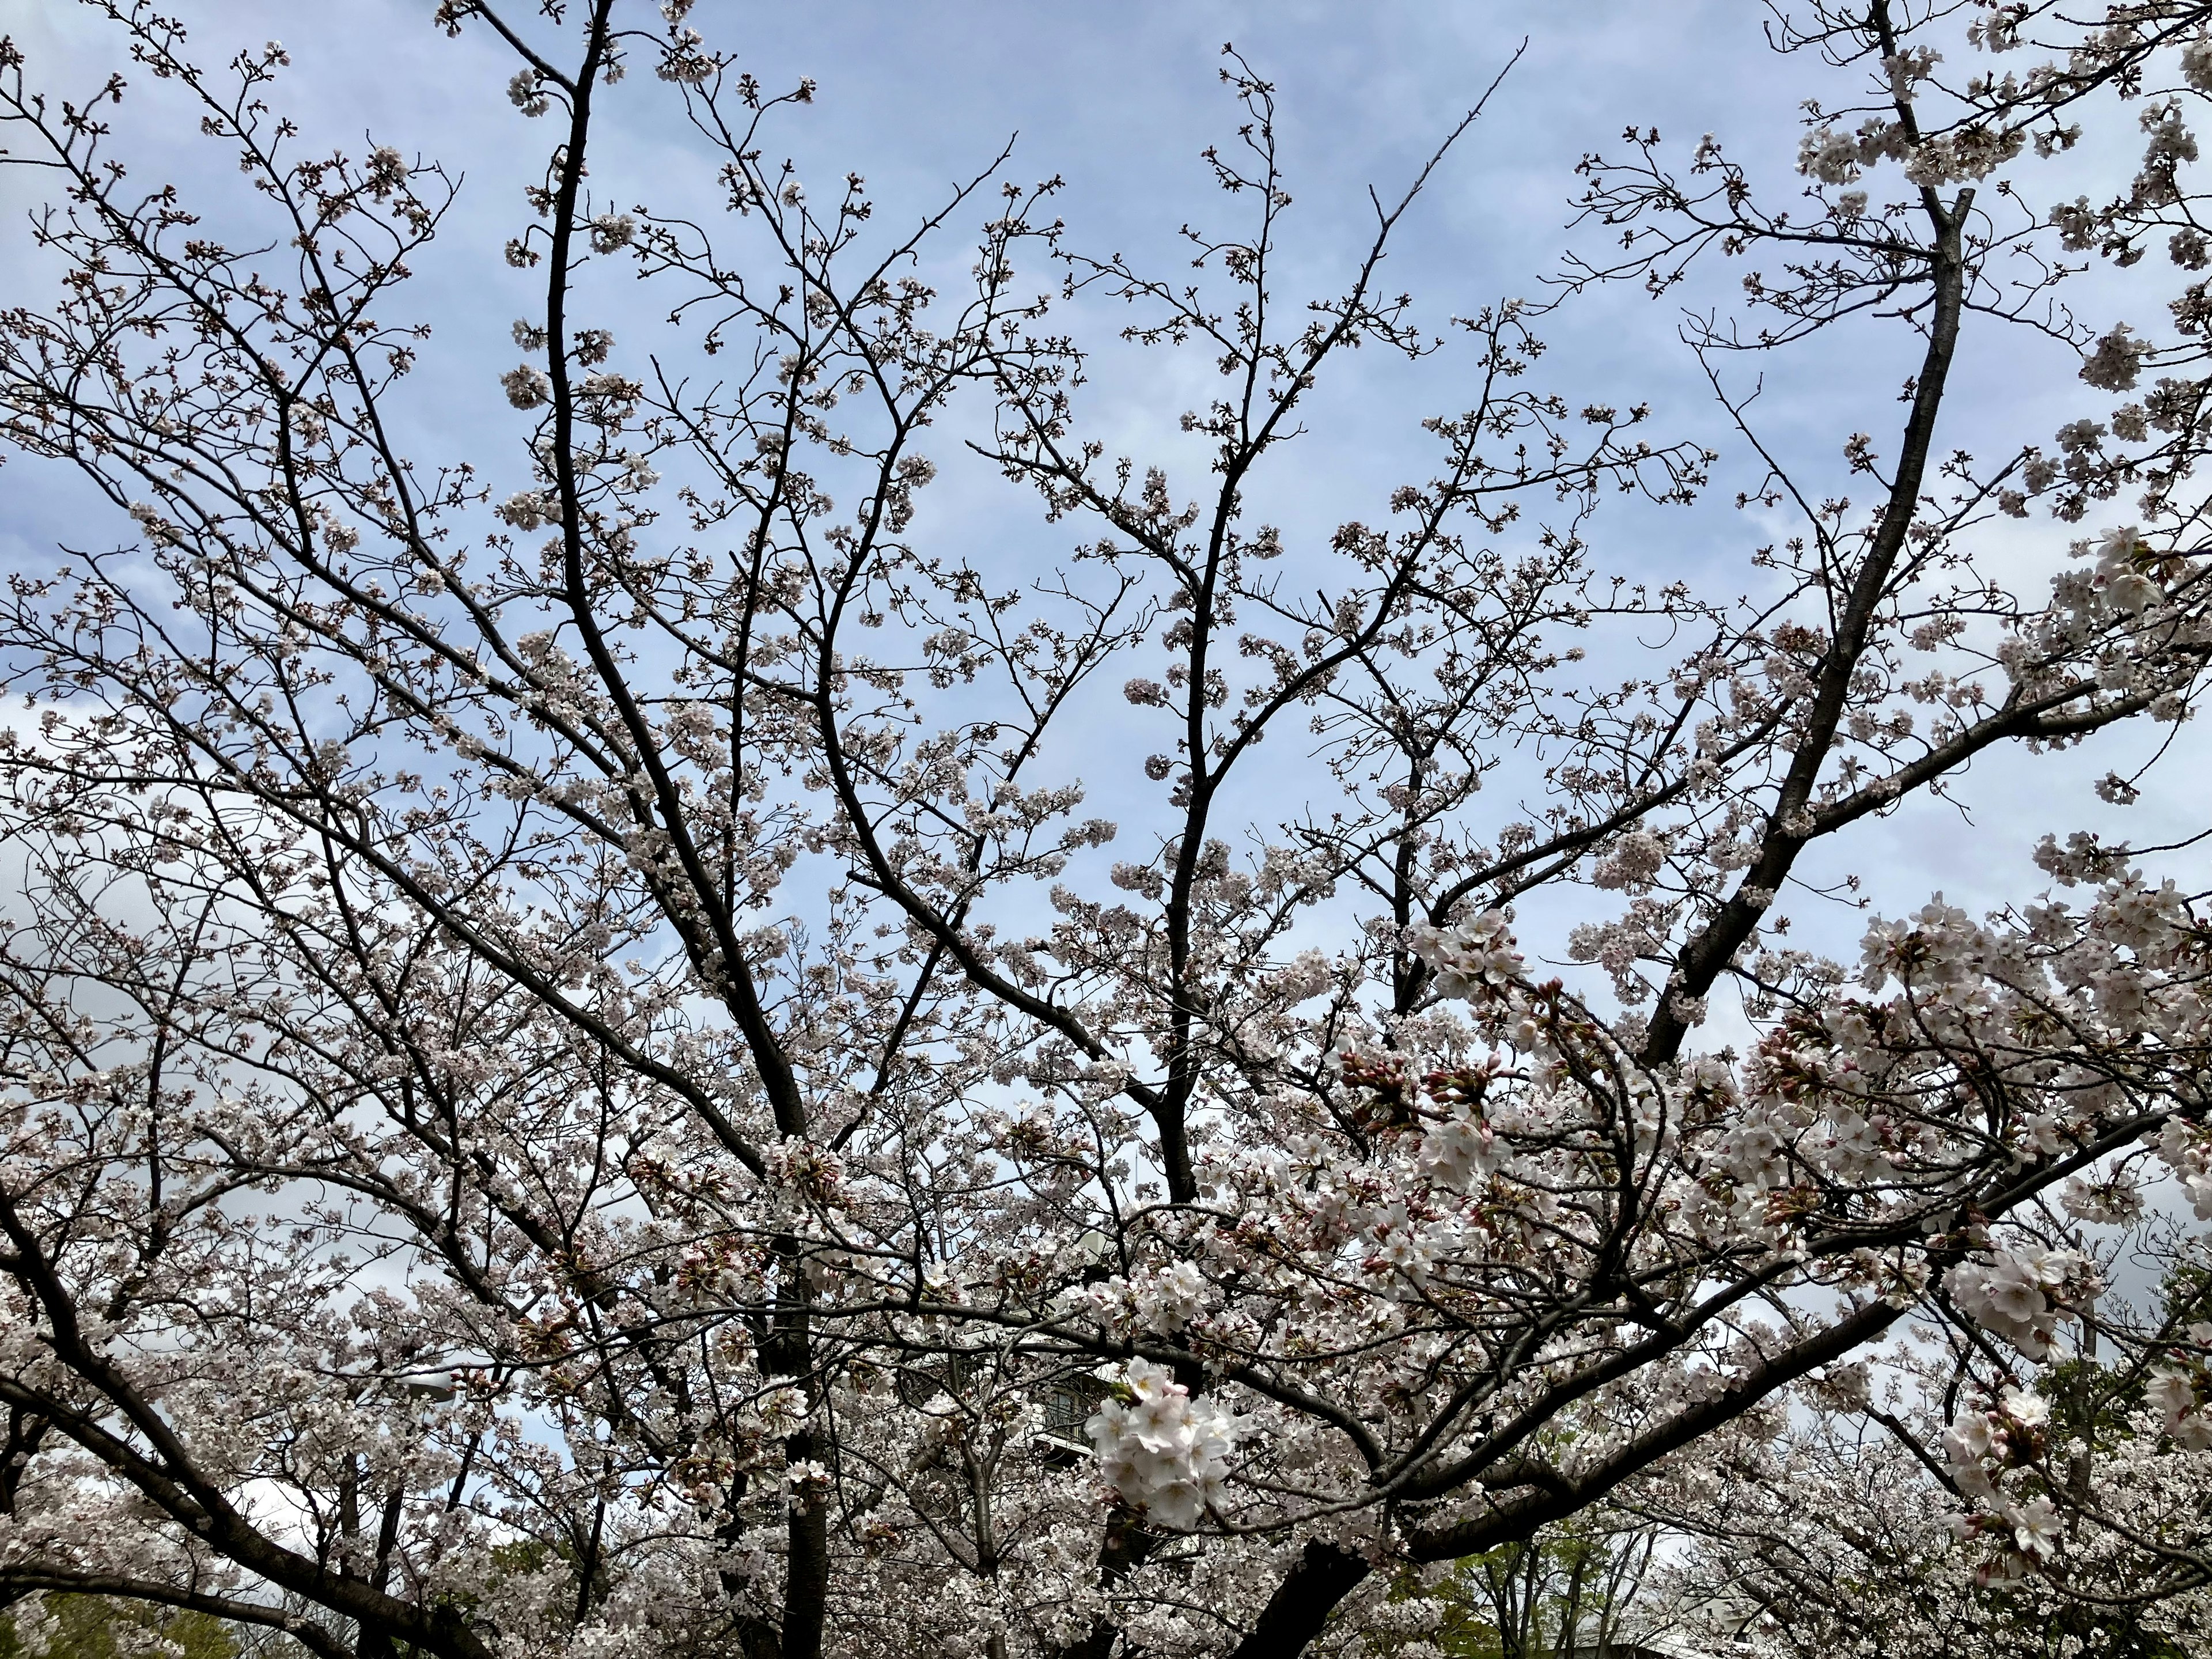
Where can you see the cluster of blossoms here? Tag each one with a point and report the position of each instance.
(2185, 1148)
(1163, 1299)
(1164, 1454)
(2026, 1534)
(1476, 955)
(1991, 1436)
(2021, 1293)
(1461, 1152)
(2180, 1391)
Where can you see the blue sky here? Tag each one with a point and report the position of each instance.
(1119, 99)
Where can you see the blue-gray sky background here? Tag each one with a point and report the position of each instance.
(1119, 100)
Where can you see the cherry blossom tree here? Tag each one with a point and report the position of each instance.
(1956, 1497)
(581, 1080)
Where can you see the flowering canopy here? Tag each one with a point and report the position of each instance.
(578, 1078)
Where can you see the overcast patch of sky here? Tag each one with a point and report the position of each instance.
(1119, 100)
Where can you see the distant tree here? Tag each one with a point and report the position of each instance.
(1567, 1593)
(1577, 1588)
(93, 1627)
(1959, 1503)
